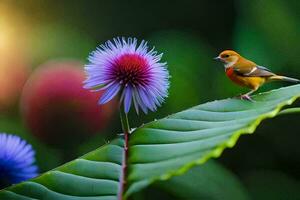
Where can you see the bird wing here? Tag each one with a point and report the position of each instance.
(253, 71)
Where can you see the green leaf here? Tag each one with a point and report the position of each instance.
(171, 146)
(270, 184)
(158, 150)
(289, 111)
(183, 49)
(93, 176)
(272, 19)
(210, 181)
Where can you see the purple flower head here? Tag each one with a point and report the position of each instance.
(16, 160)
(130, 69)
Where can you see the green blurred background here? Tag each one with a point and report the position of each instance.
(189, 33)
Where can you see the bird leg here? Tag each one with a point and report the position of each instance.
(247, 95)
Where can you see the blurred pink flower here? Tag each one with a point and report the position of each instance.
(56, 108)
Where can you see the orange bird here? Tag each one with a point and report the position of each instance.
(247, 73)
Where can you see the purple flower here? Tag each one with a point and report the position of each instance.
(16, 160)
(131, 70)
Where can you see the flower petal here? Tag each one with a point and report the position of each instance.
(127, 98)
(109, 93)
(16, 159)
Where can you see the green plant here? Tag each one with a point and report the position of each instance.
(157, 151)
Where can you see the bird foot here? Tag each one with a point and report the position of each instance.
(246, 97)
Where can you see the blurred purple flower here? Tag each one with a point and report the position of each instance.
(126, 68)
(16, 160)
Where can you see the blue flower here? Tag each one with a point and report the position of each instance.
(135, 73)
(16, 160)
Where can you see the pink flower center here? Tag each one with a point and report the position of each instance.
(131, 69)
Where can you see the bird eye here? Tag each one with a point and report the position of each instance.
(226, 56)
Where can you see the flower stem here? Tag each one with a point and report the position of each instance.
(126, 131)
(124, 121)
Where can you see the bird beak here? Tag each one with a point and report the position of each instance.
(217, 58)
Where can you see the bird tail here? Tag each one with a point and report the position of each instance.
(284, 78)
